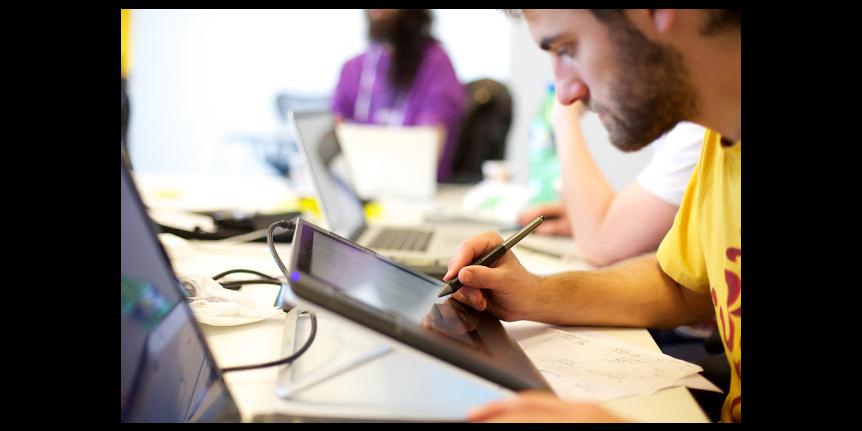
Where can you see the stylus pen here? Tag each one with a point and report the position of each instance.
(487, 260)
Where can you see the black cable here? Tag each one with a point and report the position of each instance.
(233, 285)
(236, 284)
(286, 224)
(289, 359)
(245, 271)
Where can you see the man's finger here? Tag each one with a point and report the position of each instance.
(481, 277)
(490, 410)
(470, 250)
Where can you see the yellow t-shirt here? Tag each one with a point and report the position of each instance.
(702, 251)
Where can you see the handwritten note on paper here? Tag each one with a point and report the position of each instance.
(584, 367)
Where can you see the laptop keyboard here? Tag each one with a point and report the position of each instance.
(401, 239)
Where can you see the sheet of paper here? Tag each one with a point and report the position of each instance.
(696, 381)
(584, 367)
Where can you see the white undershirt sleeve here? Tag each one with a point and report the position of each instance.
(676, 153)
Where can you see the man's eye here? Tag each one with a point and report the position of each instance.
(565, 52)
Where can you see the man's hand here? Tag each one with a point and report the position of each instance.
(556, 222)
(534, 406)
(567, 115)
(507, 290)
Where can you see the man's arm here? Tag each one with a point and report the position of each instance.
(608, 226)
(635, 293)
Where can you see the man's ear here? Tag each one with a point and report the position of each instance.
(655, 22)
(662, 19)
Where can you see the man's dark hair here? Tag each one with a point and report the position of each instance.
(409, 33)
(717, 21)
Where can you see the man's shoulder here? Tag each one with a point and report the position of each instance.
(354, 64)
(684, 135)
(683, 142)
(436, 52)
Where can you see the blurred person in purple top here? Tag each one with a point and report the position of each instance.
(404, 78)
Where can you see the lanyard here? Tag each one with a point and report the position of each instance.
(362, 107)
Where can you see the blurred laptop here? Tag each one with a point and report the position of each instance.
(167, 372)
(391, 162)
(425, 248)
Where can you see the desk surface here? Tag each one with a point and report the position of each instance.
(254, 391)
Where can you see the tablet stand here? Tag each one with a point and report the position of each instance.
(289, 384)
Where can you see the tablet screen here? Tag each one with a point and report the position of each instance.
(367, 278)
(364, 277)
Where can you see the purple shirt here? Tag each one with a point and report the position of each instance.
(435, 97)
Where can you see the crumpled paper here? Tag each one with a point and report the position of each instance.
(214, 305)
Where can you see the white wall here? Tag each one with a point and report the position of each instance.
(477, 41)
(200, 76)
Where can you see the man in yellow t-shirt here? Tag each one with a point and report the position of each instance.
(643, 71)
(702, 251)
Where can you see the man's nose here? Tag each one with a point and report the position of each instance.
(571, 91)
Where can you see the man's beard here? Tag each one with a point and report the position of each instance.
(650, 94)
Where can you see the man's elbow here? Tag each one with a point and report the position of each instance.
(599, 255)
(610, 247)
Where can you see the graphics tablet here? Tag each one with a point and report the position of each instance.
(357, 283)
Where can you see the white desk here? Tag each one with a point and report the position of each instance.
(254, 391)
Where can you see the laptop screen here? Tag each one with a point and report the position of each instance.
(167, 372)
(339, 204)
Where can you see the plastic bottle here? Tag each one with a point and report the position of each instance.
(544, 164)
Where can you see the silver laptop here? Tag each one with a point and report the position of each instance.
(426, 248)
